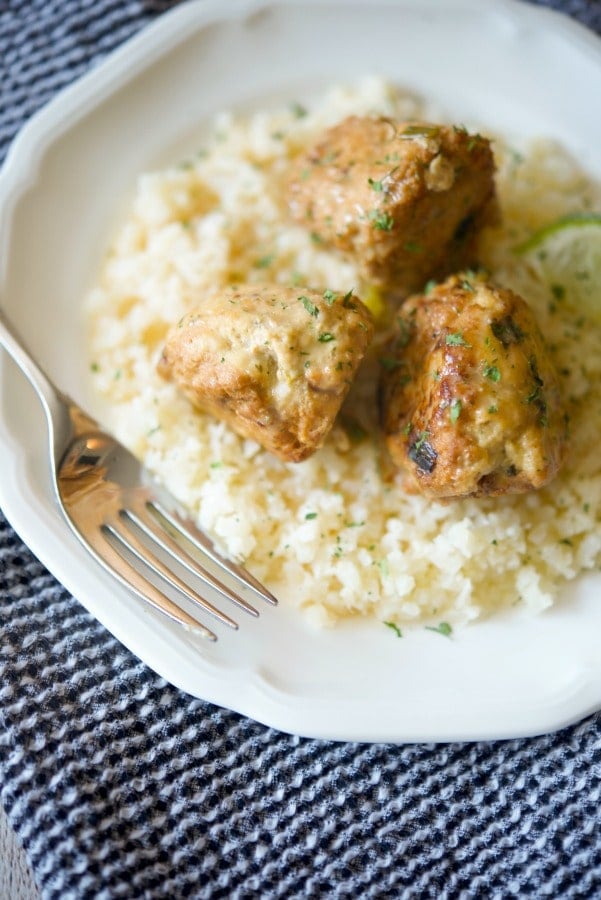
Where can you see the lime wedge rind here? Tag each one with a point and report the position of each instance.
(566, 256)
(575, 220)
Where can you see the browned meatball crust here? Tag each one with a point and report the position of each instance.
(470, 401)
(275, 363)
(404, 200)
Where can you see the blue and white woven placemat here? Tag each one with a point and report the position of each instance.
(118, 785)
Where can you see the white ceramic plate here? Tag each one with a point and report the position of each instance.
(64, 185)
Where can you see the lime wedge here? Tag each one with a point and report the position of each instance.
(567, 255)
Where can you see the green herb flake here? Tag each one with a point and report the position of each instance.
(376, 186)
(558, 291)
(492, 373)
(456, 339)
(455, 410)
(394, 627)
(404, 332)
(263, 262)
(310, 307)
(382, 221)
(329, 296)
(325, 337)
(442, 628)
(298, 110)
(346, 300)
(311, 515)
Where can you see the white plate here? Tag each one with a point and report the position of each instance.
(66, 182)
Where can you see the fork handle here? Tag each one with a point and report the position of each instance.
(48, 393)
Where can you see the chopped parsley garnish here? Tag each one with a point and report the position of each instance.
(394, 627)
(311, 515)
(493, 373)
(455, 410)
(329, 296)
(442, 628)
(405, 331)
(473, 142)
(383, 221)
(325, 337)
(456, 339)
(377, 186)
(263, 262)
(346, 300)
(310, 307)
(298, 110)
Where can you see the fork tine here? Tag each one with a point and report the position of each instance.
(202, 543)
(127, 539)
(136, 512)
(110, 558)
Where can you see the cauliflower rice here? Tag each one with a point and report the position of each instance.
(330, 535)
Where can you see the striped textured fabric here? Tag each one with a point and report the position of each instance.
(120, 786)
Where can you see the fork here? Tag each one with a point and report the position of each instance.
(127, 522)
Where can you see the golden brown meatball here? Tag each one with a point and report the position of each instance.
(405, 200)
(274, 363)
(470, 401)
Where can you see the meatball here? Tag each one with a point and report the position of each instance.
(469, 399)
(405, 200)
(275, 363)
